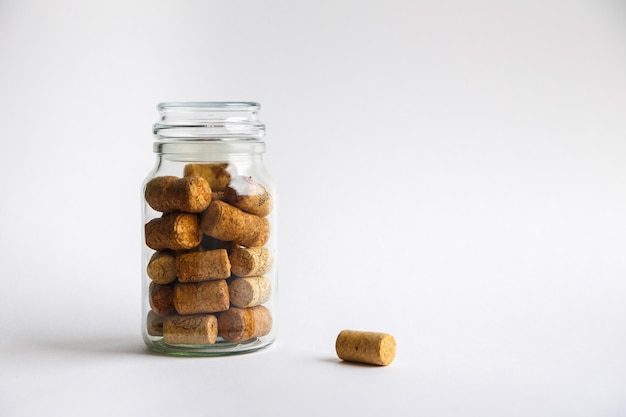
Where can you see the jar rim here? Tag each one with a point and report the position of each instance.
(214, 105)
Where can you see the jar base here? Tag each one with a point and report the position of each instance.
(220, 348)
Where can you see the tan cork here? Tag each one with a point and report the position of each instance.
(366, 347)
(169, 193)
(218, 175)
(239, 324)
(201, 297)
(249, 291)
(161, 298)
(198, 329)
(226, 222)
(247, 262)
(248, 195)
(154, 324)
(173, 231)
(203, 266)
(162, 267)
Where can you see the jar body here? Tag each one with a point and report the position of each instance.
(209, 256)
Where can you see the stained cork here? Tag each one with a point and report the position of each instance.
(240, 324)
(218, 175)
(169, 193)
(246, 262)
(201, 297)
(366, 347)
(173, 231)
(198, 329)
(203, 266)
(154, 324)
(162, 267)
(161, 298)
(248, 195)
(226, 222)
(249, 291)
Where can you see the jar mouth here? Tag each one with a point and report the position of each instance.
(209, 120)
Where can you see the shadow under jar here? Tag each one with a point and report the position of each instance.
(209, 238)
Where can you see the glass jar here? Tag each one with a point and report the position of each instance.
(209, 238)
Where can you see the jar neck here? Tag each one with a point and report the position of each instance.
(209, 150)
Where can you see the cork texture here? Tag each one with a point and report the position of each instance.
(365, 347)
(249, 291)
(162, 267)
(203, 266)
(173, 231)
(240, 324)
(226, 222)
(190, 330)
(169, 193)
(154, 324)
(201, 297)
(218, 175)
(248, 195)
(161, 298)
(247, 262)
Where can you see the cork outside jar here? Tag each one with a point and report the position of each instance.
(209, 233)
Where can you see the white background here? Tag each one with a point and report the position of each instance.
(450, 172)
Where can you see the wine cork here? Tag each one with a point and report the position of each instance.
(225, 222)
(173, 231)
(201, 297)
(218, 175)
(239, 324)
(162, 267)
(203, 266)
(245, 193)
(366, 347)
(169, 193)
(161, 299)
(249, 291)
(154, 324)
(246, 262)
(198, 329)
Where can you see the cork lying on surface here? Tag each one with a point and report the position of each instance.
(173, 231)
(203, 266)
(169, 193)
(217, 174)
(201, 297)
(226, 222)
(246, 262)
(240, 324)
(366, 347)
(249, 291)
(162, 267)
(245, 193)
(198, 329)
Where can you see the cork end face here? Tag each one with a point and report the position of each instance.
(387, 349)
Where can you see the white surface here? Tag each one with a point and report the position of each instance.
(450, 172)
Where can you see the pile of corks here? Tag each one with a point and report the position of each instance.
(208, 269)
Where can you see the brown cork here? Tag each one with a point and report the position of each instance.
(218, 175)
(173, 231)
(247, 262)
(162, 267)
(225, 222)
(168, 193)
(161, 298)
(203, 266)
(198, 329)
(239, 324)
(249, 291)
(154, 324)
(201, 297)
(248, 195)
(366, 347)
